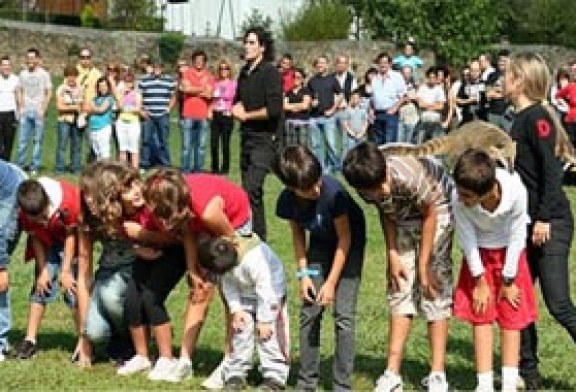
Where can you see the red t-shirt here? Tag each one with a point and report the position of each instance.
(194, 106)
(145, 218)
(568, 93)
(204, 187)
(287, 80)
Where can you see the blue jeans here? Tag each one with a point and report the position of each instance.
(155, 141)
(31, 127)
(385, 127)
(53, 263)
(323, 133)
(406, 132)
(106, 310)
(68, 132)
(194, 133)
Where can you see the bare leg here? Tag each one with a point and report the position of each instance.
(163, 333)
(438, 335)
(399, 330)
(34, 321)
(135, 160)
(140, 340)
(483, 343)
(193, 320)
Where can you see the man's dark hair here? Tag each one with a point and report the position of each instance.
(264, 39)
(5, 58)
(35, 51)
(217, 255)
(199, 52)
(32, 198)
(301, 72)
(504, 53)
(475, 171)
(297, 167)
(432, 71)
(364, 166)
(382, 55)
(287, 56)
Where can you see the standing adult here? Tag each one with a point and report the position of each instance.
(88, 74)
(297, 109)
(326, 98)
(348, 83)
(469, 97)
(286, 67)
(34, 95)
(258, 106)
(408, 57)
(158, 99)
(8, 107)
(222, 122)
(497, 104)
(197, 85)
(389, 90)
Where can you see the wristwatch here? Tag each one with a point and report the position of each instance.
(507, 281)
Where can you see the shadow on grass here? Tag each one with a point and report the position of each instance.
(47, 340)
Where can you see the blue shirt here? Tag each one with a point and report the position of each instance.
(387, 90)
(412, 61)
(97, 121)
(317, 216)
(156, 93)
(10, 178)
(357, 116)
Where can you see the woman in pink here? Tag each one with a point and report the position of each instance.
(193, 205)
(222, 123)
(568, 94)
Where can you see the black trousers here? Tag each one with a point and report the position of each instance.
(220, 130)
(149, 286)
(549, 265)
(7, 133)
(257, 151)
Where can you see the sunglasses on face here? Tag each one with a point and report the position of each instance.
(85, 56)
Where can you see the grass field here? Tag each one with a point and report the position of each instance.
(51, 368)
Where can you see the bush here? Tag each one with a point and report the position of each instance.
(88, 18)
(170, 45)
(317, 21)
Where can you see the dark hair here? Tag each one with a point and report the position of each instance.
(369, 71)
(475, 171)
(364, 166)
(382, 55)
(35, 51)
(562, 73)
(70, 70)
(217, 254)
(199, 52)
(287, 56)
(167, 191)
(32, 198)
(264, 39)
(432, 70)
(105, 80)
(297, 167)
(504, 53)
(301, 72)
(5, 58)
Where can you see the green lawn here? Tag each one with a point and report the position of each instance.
(51, 368)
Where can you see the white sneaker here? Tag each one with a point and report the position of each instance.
(183, 370)
(483, 389)
(435, 383)
(216, 379)
(388, 382)
(164, 370)
(136, 364)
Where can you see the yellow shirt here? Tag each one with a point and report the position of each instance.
(87, 78)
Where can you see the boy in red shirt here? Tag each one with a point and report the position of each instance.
(48, 212)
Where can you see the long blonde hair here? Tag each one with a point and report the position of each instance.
(534, 73)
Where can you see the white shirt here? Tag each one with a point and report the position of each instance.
(431, 95)
(53, 190)
(8, 88)
(259, 275)
(505, 227)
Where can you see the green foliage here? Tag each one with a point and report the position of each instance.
(318, 20)
(139, 15)
(170, 45)
(88, 18)
(256, 18)
(454, 29)
(542, 22)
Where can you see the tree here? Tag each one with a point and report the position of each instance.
(255, 18)
(318, 20)
(135, 15)
(454, 29)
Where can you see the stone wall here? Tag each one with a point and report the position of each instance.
(59, 45)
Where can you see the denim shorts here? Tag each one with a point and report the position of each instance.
(53, 263)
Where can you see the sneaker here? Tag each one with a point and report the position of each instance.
(532, 384)
(136, 364)
(216, 379)
(164, 370)
(484, 389)
(26, 350)
(435, 383)
(269, 384)
(388, 382)
(183, 371)
(234, 384)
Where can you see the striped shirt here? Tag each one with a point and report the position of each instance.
(156, 93)
(415, 183)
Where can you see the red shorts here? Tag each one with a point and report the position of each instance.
(498, 310)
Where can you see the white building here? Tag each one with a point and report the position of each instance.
(221, 17)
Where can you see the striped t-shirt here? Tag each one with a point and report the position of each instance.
(414, 184)
(156, 93)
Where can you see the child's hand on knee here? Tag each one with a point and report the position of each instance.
(480, 295)
(264, 331)
(511, 294)
(239, 320)
(429, 283)
(43, 282)
(68, 282)
(396, 273)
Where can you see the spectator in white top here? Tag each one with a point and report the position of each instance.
(431, 100)
(348, 84)
(34, 94)
(8, 107)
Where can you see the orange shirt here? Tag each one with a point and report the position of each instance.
(194, 106)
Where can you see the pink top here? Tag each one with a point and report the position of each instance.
(224, 92)
(204, 187)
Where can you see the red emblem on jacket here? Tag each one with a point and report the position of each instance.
(544, 128)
